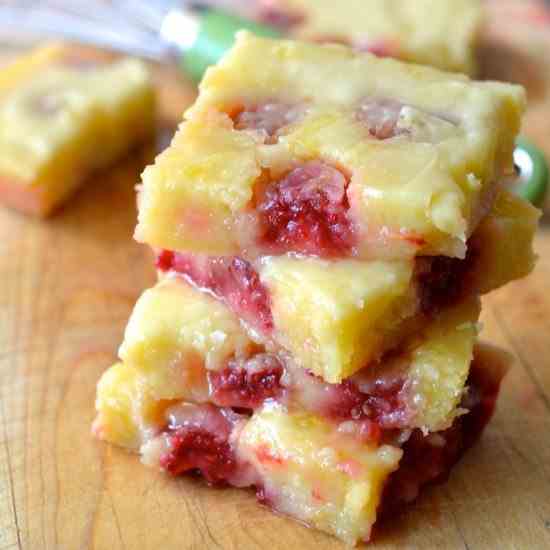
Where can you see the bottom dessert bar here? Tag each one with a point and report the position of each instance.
(313, 470)
(429, 458)
(194, 394)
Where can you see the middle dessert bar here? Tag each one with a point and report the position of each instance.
(184, 345)
(336, 316)
(294, 147)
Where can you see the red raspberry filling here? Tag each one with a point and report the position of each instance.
(441, 280)
(196, 449)
(385, 405)
(381, 116)
(199, 437)
(268, 118)
(248, 386)
(199, 441)
(231, 279)
(307, 212)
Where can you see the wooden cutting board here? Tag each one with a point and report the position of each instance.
(67, 287)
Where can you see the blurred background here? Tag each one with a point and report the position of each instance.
(512, 46)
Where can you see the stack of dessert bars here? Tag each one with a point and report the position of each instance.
(324, 224)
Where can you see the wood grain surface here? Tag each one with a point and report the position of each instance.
(67, 287)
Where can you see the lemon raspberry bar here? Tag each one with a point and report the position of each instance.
(336, 316)
(295, 147)
(394, 28)
(63, 116)
(186, 345)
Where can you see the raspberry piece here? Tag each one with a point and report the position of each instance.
(306, 212)
(283, 19)
(385, 406)
(199, 441)
(268, 118)
(196, 449)
(247, 386)
(165, 260)
(380, 116)
(440, 281)
(231, 279)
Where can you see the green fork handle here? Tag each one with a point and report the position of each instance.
(532, 168)
(215, 35)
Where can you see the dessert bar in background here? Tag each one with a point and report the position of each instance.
(62, 117)
(441, 33)
(194, 393)
(324, 224)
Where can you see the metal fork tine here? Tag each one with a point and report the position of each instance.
(51, 23)
(146, 14)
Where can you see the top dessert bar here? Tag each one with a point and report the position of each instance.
(323, 151)
(442, 33)
(63, 115)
